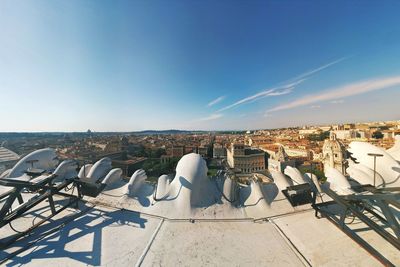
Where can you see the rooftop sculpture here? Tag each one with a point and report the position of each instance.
(286, 204)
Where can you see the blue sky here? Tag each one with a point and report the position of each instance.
(210, 65)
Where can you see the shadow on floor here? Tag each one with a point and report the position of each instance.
(87, 228)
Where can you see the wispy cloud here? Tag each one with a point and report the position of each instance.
(315, 106)
(216, 101)
(211, 117)
(281, 92)
(311, 72)
(287, 87)
(341, 92)
(338, 101)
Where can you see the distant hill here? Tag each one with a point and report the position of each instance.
(10, 135)
(151, 132)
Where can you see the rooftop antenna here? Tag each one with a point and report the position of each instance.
(375, 155)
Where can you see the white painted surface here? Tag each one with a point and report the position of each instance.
(395, 150)
(295, 175)
(337, 181)
(114, 237)
(45, 159)
(99, 170)
(112, 177)
(84, 171)
(322, 243)
(220, 244)
(386, 166)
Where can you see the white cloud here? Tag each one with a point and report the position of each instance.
(211, 117)
(311, 72)
(216, 101)
(248, 99)
(315, 106)
(281, 92)
(284, 89)
(339, 101)
(341, 92)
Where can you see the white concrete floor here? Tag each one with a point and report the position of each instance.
(105, 234)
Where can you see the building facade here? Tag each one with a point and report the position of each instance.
(346, 134)
(334, 154)
(245, 159)
(280, 160)
(219, 151)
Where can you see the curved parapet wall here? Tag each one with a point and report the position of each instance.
(229, 189)
(295, 175)
(270, 192)
(337, 181)
(255, 199)
(312, 179)
(386, 166)
(45, 159)
(66, 170)
(360, 176)
(84, 171)
(99, 170)
(281, 181)
(192, 168)
(113, 176)
(163, 184)
(138, 189)
(190, 184)
(395, 150)
(190, 188)
(135, 183)
(364, 175)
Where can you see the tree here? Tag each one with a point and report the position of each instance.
(319, 137)
(157, 153)
(156, 168)
(377, 135)
(307, 169)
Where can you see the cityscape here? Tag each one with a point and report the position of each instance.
(199, 133)
(148, 163)
(157, 152)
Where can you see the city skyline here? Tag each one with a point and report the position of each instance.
(132, 66)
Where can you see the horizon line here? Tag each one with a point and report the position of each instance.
(180, 130)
